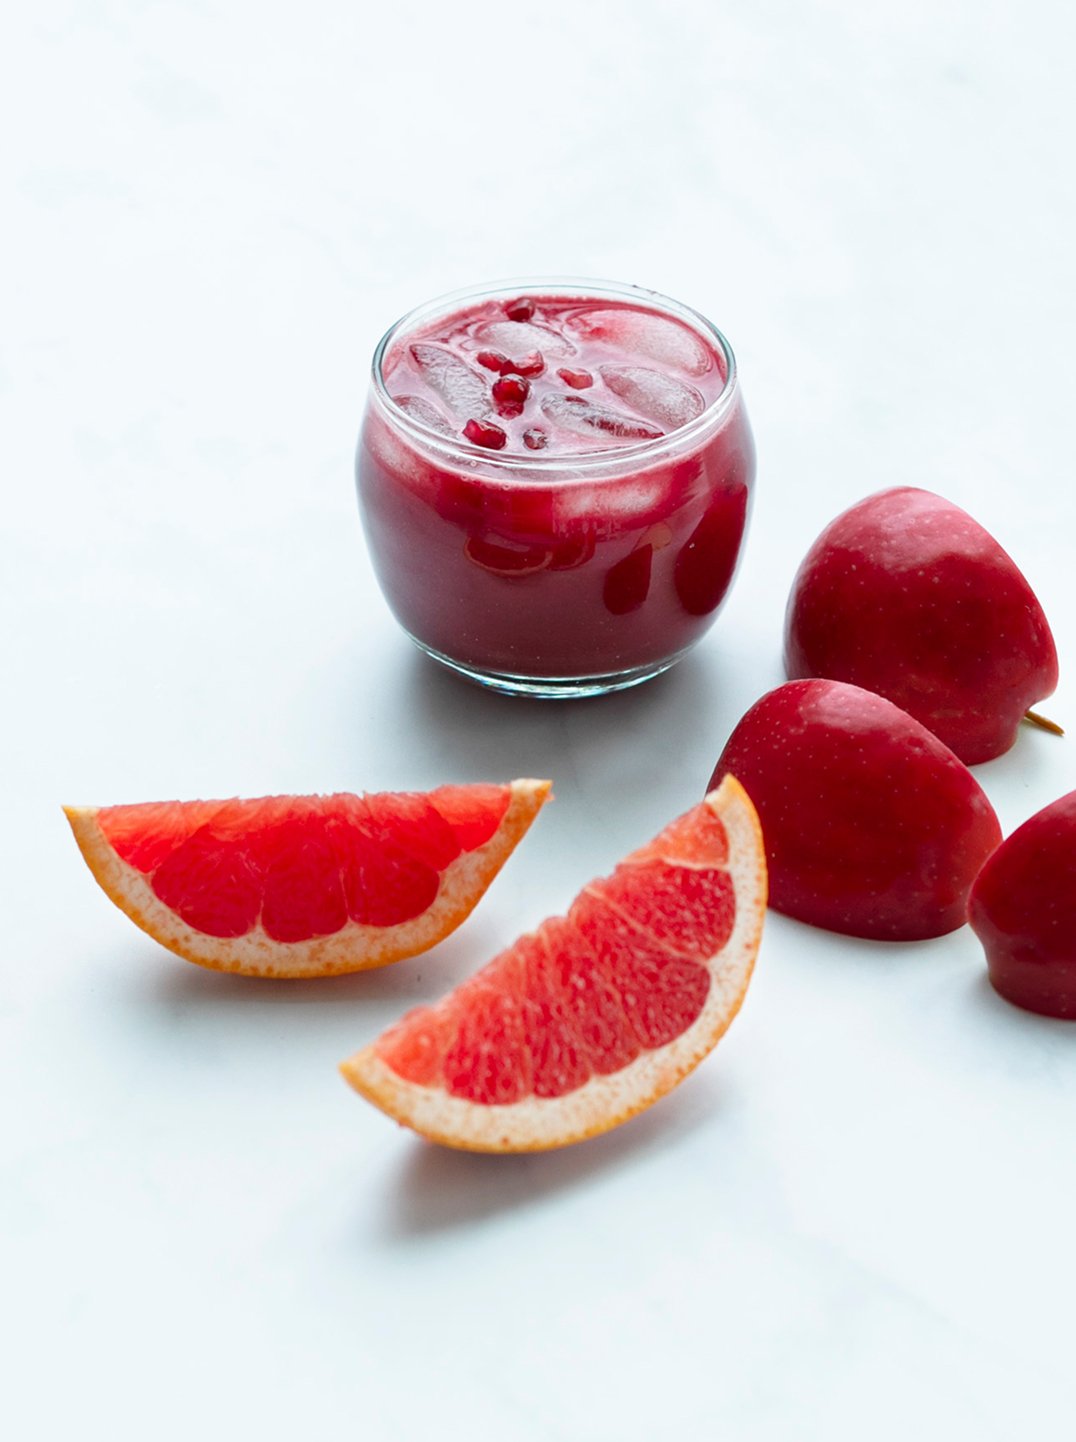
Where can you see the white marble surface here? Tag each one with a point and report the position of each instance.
(856, 1221)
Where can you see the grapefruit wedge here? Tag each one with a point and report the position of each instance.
(303, 886)
(594, 1016)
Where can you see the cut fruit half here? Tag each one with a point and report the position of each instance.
(587, 1021)
(304, 886)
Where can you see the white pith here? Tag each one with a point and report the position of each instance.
(538, 1123)
(353, 948)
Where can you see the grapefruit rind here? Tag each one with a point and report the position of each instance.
(541, 1123)
(355, 947)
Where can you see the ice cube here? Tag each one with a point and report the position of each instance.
(426, 415)
(462, 389)
(519, 337)
(584, 418)
(642, 333)
(611, 505)
(655, 394)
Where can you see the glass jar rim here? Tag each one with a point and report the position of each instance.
(580, 461)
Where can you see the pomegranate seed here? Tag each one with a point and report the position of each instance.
(509, 394)
(534, 439)
(521, 309)
(493, 360)
(578, 380)
(485, 433)
(532, 364)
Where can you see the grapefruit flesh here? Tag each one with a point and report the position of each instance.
(301, 886)
(585, 1022)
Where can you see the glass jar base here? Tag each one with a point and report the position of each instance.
(553, 688)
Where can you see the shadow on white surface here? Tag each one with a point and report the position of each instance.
(1037, 768)
(1047, 1031)
(439, 1189)
(483, 726)
(838, 954)
(173, 983)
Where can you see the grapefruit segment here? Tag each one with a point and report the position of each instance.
(304, 886)
(591, 1001)
(582, 1024)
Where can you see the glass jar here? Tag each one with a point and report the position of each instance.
(593, 561)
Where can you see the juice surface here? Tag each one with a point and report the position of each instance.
(555, 374)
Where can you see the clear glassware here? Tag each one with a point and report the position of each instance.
(589, 565)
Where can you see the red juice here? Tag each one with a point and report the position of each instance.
(554, 483)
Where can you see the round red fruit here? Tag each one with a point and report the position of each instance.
(1023, 910)
(907, 595)
(872, 827)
